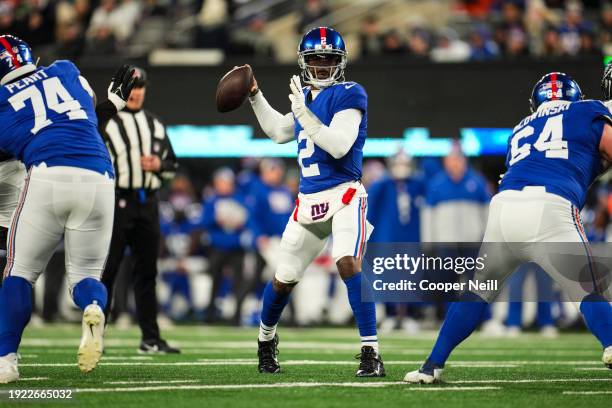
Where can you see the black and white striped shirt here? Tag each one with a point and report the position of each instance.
(131, 135)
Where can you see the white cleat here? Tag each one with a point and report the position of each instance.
(607, 357)
(8, 368)
(420, 377)
(92, 344)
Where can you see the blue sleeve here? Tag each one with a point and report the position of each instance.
(485, 194)
(208, 215)
(65, 67)
(599, 116)
(257, 207)
(350, 95)
(374, 198)
(431, 194)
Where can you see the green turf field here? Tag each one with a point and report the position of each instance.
(218, 369)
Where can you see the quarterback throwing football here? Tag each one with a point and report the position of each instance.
(329, 120)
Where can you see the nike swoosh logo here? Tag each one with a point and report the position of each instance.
(349, 86)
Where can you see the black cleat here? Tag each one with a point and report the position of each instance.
(371, 364)
(157, 346)
(267, 352)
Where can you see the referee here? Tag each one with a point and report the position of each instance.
(142, 157)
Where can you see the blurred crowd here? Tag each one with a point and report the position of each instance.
(470, 30)
(481, 30)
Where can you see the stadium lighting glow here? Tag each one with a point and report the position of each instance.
(190, 141)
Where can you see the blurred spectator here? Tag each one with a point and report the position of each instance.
(225, 218)
(419, 44)
(394, 208)
(370, 37)
(449, 48)
(36, 22)
(312, 11)
(392, 43)
(606, 25)
(510, 26)
(516, 44)
(180, 217)
(272, 207)
(252, 40)
(394, 202)
(7, 17)
(482, 47)
(457, 202)
(112, 24)
(373, 170)
(212, 24)
(587, 44)
(552, 43)
(571, 29)
(71, 21)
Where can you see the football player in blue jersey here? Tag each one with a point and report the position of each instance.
(554, 155)
(328, 119)
(50, 123)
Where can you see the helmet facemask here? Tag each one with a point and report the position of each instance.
(606, 82)
(322, 68)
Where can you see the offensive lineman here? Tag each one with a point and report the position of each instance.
(553, 157)
(328, 119)
(50, 124)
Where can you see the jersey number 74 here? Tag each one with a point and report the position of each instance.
(56, 98)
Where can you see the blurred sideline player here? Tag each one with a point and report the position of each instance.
(50, 123)
(329, 122)
(553, 156)
(395, 208)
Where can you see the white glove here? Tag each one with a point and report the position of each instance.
(309, 122)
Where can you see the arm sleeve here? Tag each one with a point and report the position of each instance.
(105, 110)
(338, 138)
(278, 127)
(169, 164)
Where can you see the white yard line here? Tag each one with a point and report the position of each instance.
(281, 385)
(33, 378)
(586, 392)
(454, 388)
(142, 358)
(529, 381)
(151, 382)
(592, 368)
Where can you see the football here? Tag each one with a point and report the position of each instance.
(234, 88)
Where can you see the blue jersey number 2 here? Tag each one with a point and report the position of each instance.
(56, 98)
(550, 141)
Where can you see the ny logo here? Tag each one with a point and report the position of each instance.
(318, 211)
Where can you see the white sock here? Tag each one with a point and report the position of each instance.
(266, 333)
(371, 341)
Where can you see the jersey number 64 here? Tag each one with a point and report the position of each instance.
(550, 141)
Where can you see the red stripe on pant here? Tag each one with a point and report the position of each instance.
(12, 232)
(362, 203)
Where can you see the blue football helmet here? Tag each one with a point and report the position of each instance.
(555, 86)
(15, 58)
(322, 57)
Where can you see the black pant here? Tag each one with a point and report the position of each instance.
(136, 225)
(219, 260)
